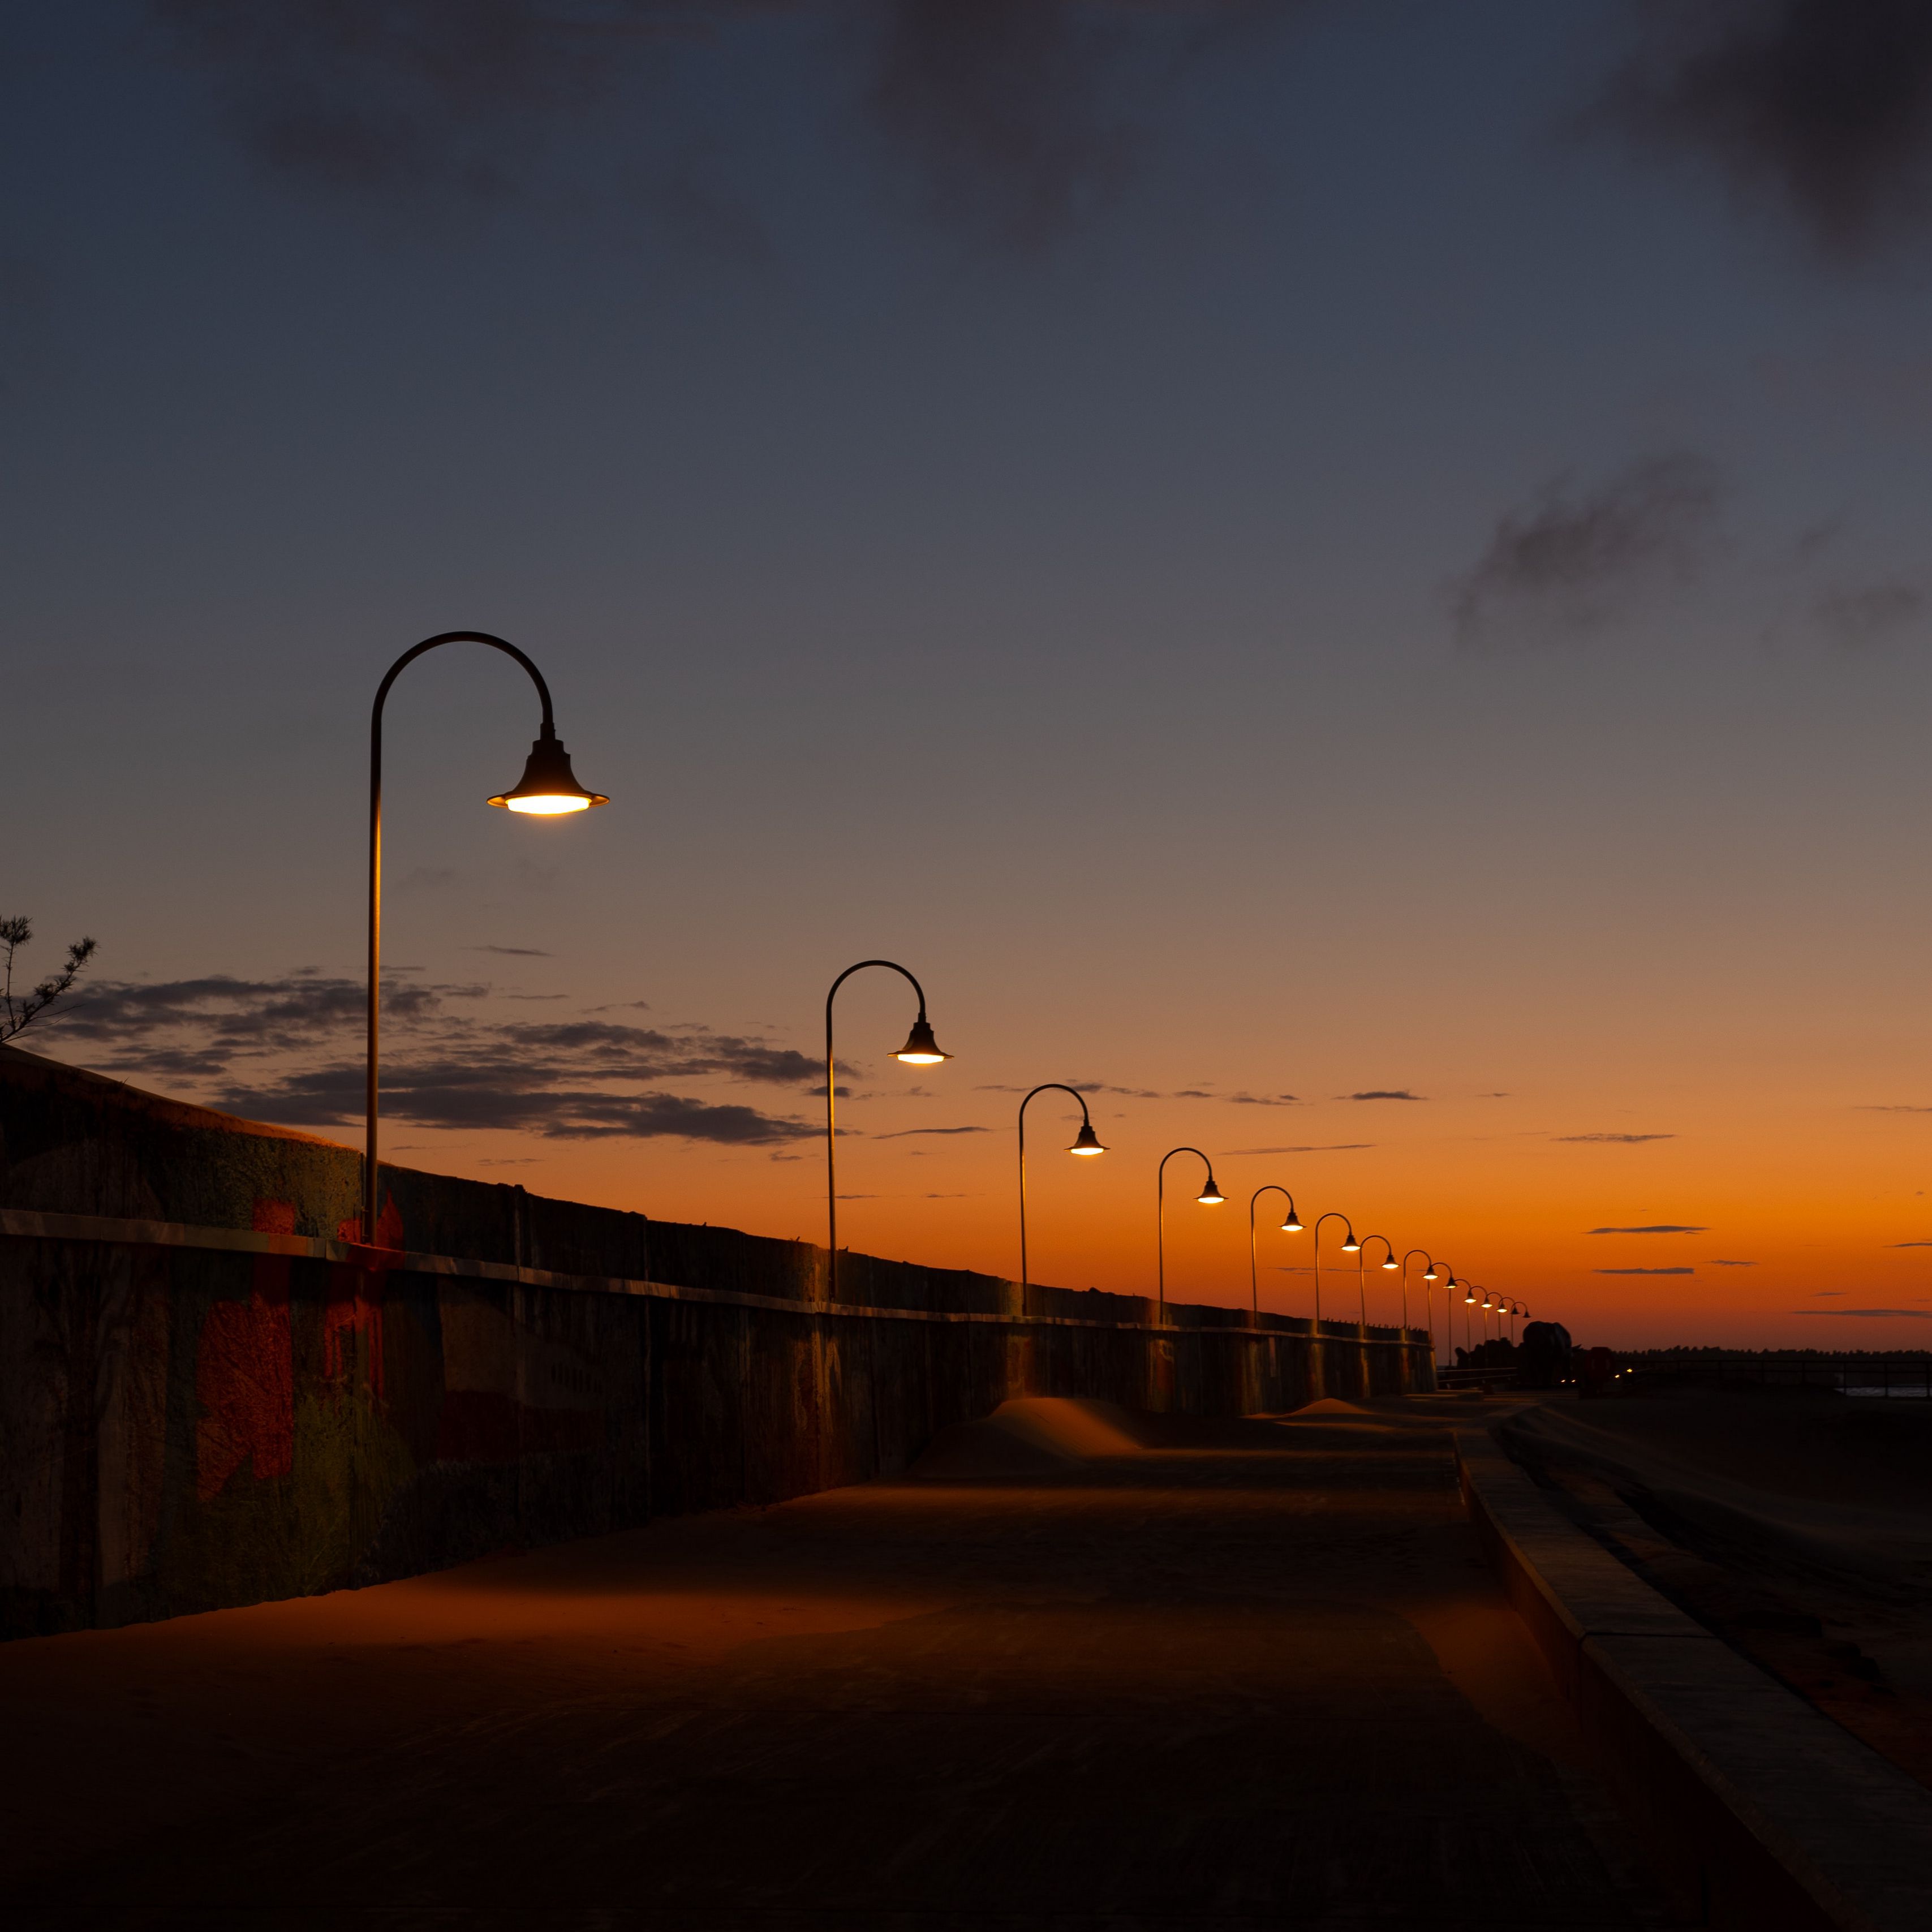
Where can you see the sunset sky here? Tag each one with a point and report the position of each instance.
(1352, 574)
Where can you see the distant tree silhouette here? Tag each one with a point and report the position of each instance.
(15, 1013)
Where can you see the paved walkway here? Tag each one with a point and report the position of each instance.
(1258, 1676)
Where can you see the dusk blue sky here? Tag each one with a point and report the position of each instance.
(1360, 547)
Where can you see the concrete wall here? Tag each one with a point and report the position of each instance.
(211, 1394)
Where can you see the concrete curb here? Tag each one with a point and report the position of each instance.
(1756, 1811)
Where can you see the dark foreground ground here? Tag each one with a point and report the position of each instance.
(1261, 1677)
(1794, 1523)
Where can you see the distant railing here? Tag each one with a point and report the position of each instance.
(1882, 1375)
(1475, 1378)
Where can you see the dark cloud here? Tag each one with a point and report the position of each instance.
(1823, 108)
(1336, 1147)
(1721, 1264)
(1663, 1270)
(906, 1133)
(1572, 561)
(1614, 1140)
(1908, 1244)
(286, 1050)
(1913, 1314)
(1383, 1094)
(515, 951)
(1264, 1100)
(1868, 617)
(1900, 1107)
(1018, 118)
(1656, 1228)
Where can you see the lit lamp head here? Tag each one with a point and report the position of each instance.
(1086, 1141)
(548, 787)
(1486, 1302)
(1429, 1273)
(1292, 1226)
(921, 1049)
(1468, 1292)
(1211, 1196)
(1351, 1245)
(1391, 1263)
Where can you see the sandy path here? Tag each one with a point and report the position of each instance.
(1213, 1685)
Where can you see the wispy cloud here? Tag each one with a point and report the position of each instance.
(1909, 1314)
(906, 1133)
(1657, 1270)
(1896, 1107)
(1654, 1228)
(1716, 1263)
(1908, 1244)
(1821, 109)
(1264, 1100)
(1008, 122)
(1866, 617)
(1334, 1147)
(1573, 560)
(1382, 1093)
(513, 952)
(1612, 1140)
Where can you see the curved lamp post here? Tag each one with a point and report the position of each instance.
(1209, 1196)
(1428, 1301)
(1361, 1267)
(1350, 1246)
(1292, 1226)
(1085, 1142)
(1469, 1302)
(547, 789)
(921, 1049)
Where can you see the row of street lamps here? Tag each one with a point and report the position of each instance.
(549, 788)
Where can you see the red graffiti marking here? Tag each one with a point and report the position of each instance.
(244, 1377)
(355, 1305)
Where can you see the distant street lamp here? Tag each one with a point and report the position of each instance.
(1349, 1247)
(1209, 1196)
(921, 1049)
(1086, 1142)
(1292, 1226)
(547, 789)
(1361, 1266)
(1428, 1300)
(1468, 1301)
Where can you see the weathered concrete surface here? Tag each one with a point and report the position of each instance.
(210, 1394)
(1756, 1811)
(1255, 1676)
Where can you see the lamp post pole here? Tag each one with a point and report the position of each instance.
(1350, 1246)
(920, 1050)
(1209, 1196)
(1084, 1142)
(1361, 1270)
(1292, 1226)
(1428, 1298)
(547, 789)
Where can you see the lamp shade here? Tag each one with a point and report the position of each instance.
(548, 787)
(1391, 1263)
(1429, 1273)
(1211, 1196)
(1351, 1245)
(1292, 1226)
(921, 1049)
(1086, 1141)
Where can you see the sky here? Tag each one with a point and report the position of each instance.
(1347, 576)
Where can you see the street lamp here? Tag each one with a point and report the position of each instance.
(1349, 1247)
(1361, 1265)
(547, 789)
(1086, 1142)
(1468, 1301)
(1292, 1226)
(1209, 1196)
(921, 1049)
(1428, 1299)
